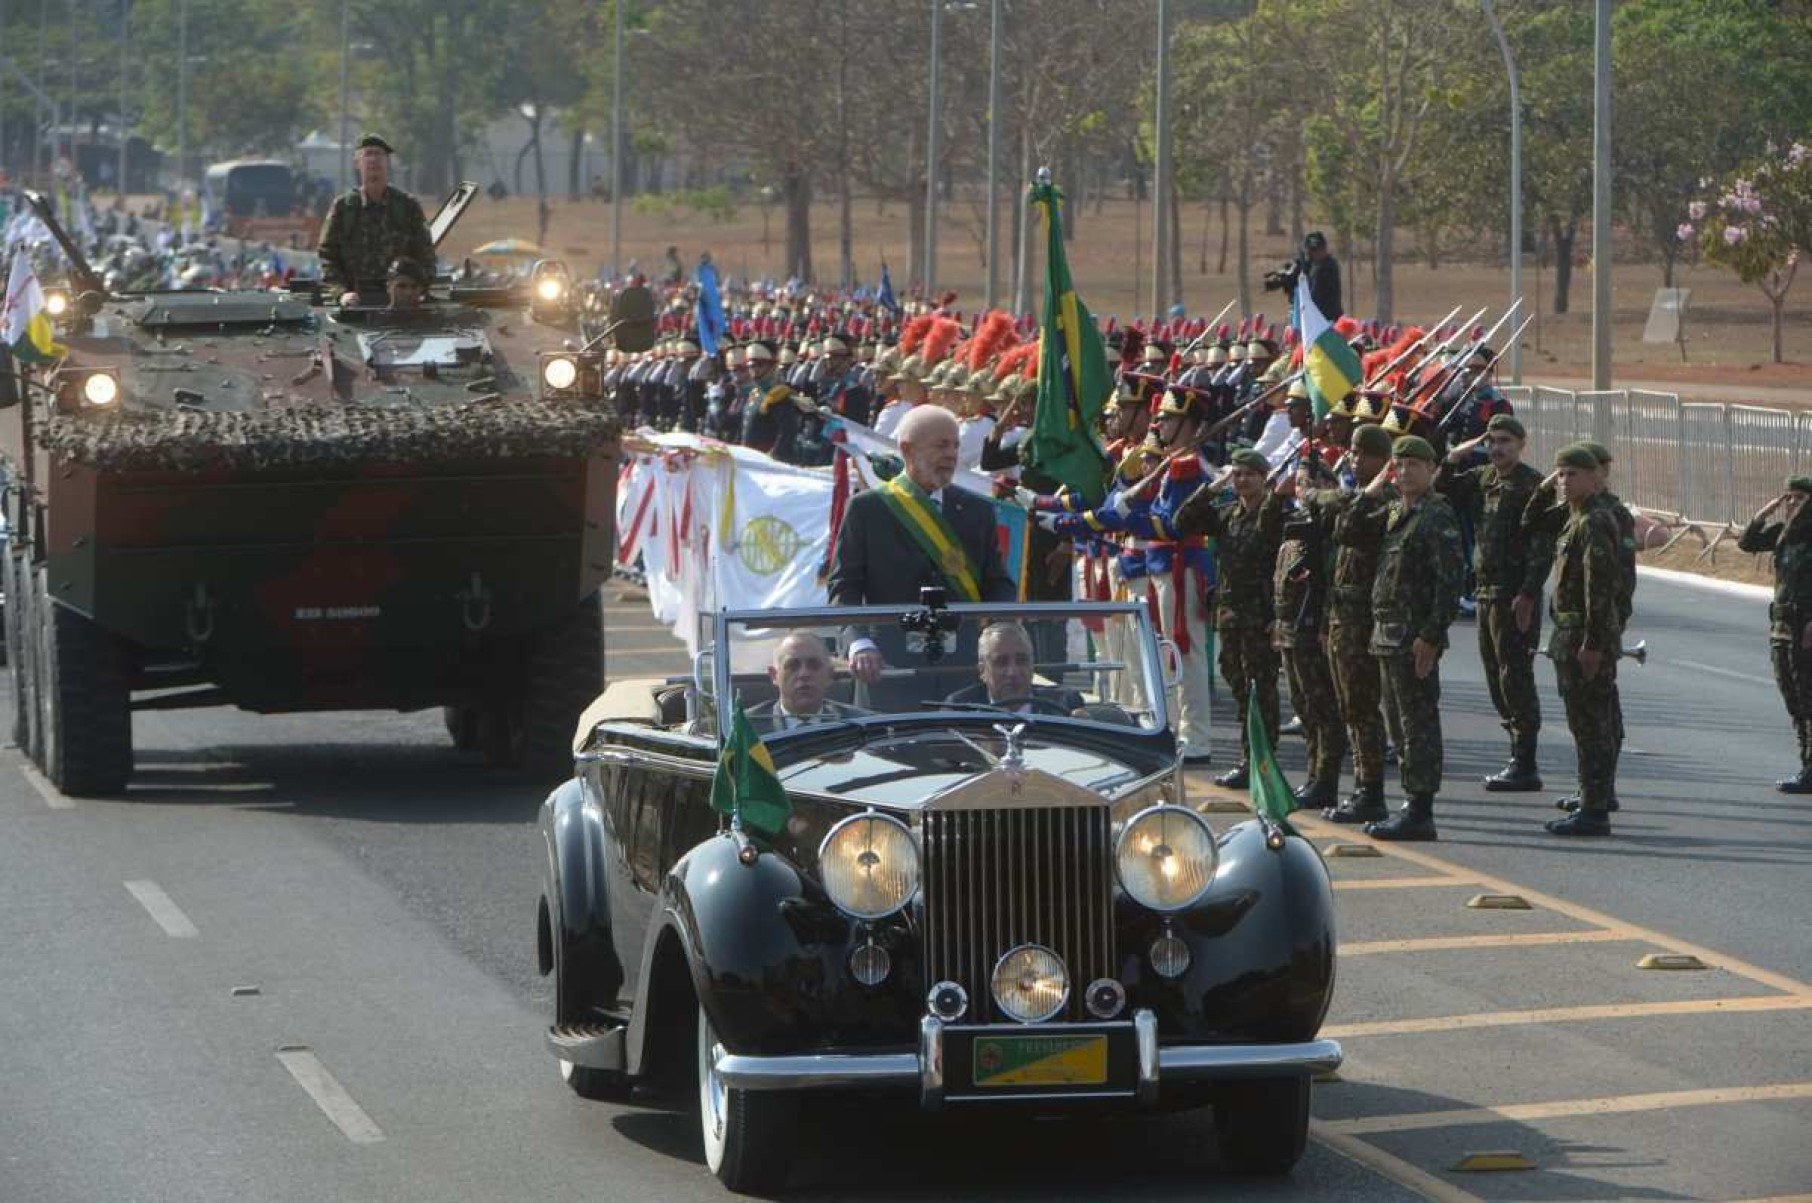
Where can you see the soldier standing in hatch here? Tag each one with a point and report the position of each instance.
(371, 226)
(1784, 527)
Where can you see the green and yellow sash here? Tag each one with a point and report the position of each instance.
(929, 528)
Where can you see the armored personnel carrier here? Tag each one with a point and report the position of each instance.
(258, 499)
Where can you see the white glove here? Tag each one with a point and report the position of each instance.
(1047, 520)
(1026, 497)
(805, 403)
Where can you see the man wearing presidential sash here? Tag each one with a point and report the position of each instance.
(916, 530)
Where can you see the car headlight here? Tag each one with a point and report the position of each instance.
(56, 304)
(559, 372)
(870, 866)
(550, 289)
(1166, 857)
(1031, 984)
(100, 388)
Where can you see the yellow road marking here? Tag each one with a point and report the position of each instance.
(1567, 1108)
(1501, 1019)
(1595, 935)
(1438, 1190)
(1399, 883)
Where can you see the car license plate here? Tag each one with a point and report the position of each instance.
(1040, 1061)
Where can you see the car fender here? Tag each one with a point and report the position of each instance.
(577, 897)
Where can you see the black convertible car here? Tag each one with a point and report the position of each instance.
(981, 900)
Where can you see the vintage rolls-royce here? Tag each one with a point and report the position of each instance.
(985, 885)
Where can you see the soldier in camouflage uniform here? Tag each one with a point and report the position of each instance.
(1587, 611)
(371, 226)
(1414, 599)
(1248, 528)
(1510, 563)
(1353, 668)
(1789, 537)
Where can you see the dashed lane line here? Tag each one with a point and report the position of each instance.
(1595, 935)
(1732, 673)
(1401, 883)
(1502, 1019)
(1568, 1108)
(53, 797)
(1404, 1174)
(331, 1097)
(165, 912)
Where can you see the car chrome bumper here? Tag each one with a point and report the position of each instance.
(925, 1068)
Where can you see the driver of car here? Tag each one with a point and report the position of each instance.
(1004, 659)
(801, 672)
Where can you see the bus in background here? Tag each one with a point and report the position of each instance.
(258, 200)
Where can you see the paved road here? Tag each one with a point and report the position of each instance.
(297, 963)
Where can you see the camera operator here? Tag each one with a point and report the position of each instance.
(1323, 271)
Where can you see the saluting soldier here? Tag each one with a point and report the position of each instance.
(1510, 564)
(1300, 589)
(1783, 527)
(1587, 610)
(1414, 599)
(370, 226)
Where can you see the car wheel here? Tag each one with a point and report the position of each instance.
(748, 1134)
(572, 1012)
(1261, 1127)
(563, 675)
(15, 654)
(463, 725)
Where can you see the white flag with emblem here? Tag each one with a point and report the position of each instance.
(773, 533)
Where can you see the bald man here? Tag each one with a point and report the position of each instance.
(801, 672)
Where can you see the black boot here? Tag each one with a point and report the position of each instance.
(1581, 822)
(1318, 795)
(1304, 792)
(1801, 783)
(1364, 805)
(1571, 803)
(1235, 777)
(1414, 822)
(1519, 776)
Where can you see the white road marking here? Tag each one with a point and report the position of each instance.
(53, 797)
(330, 1096)
(1734, 675)
(1712, 584)
(169, 916)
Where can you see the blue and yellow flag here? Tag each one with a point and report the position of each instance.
(746, 782)
(1073, 380)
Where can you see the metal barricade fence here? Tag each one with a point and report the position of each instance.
(1597, 415)
(1549, 420)
(1764, 451)
(1705, 460)
(1647, 444)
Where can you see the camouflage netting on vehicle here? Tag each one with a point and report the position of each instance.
(186, 440)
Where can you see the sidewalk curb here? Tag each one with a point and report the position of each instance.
(1711, 584)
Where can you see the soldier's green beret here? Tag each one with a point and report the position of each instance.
(1799, 484)
(1507, 424)
(1372, 440)
(374, 140)
(1247, 457)
(1599, 451)
(1412, 446)
(1575, 455)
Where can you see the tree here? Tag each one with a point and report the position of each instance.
(1758, 223)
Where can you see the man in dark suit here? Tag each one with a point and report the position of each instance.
(1004, 659)
(916, 531)
(801, 672)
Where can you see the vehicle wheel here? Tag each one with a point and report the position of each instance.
(564, 674)
(500, 734)
(572, 1009)
(15, 655)
(748, 1134)
(1261, 1127)
(85, 700)
(463, 725)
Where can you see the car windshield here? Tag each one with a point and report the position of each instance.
(1061, 663)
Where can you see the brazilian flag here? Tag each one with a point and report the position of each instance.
(1271, 796)
(1073, 380)
(746, 781)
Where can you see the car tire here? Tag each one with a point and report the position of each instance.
(572, 1008)
(84, 699)
(463, 725)
(748, 1134)
(23, 701)
(564, 675)
(1262, 1127)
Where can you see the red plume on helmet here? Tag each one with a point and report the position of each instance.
(943, 336)
(993, 335)
(912, 335)
(1346, 328)
(1030, 369)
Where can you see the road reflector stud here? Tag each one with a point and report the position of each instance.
(246, 991)
(1353, 850)
(1222, 806)
(1492, 1161)
(1499, 902)
(1670, 960)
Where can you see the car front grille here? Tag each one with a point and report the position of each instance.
(996, 879)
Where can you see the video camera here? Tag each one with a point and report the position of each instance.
(1284, 278)
(932, 622)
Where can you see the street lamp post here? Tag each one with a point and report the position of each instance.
(616, 143)
(1160, 233)
(182, 97)
(1516, 183)
(993, 150)
(345, 94)
(931, 149)
(125, 16)
(1601, 199)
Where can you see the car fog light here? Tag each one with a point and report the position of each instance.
(870, 964)
(559, 372)
(1104, 998)
(1031, 984)
(1169, 956)
(100, 389)
(948, 1001)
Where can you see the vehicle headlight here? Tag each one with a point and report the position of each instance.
(100, 389)
(559, 372)
(1166, 857)
(1031, 983)
(56, 304)
(870, 866)
(550, 289)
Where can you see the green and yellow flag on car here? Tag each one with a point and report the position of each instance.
(1271, 796)
(746, 782)
(25, 327)
(1073, 380)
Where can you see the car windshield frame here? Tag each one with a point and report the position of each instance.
(1152, 684)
